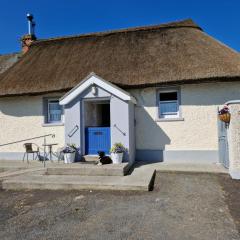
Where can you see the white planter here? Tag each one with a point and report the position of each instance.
(69, 157)
(117, 158)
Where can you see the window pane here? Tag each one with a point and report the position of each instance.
(168, 96)
(54, 106)
(168, 107)
(55, 111)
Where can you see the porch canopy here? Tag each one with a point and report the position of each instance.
(80, 114)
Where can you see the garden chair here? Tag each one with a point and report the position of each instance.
(30, 150)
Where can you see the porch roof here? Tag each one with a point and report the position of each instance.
(91, 80)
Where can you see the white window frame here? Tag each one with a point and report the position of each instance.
(170, 116)
(48, 111)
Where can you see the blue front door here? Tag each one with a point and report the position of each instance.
(97, 139)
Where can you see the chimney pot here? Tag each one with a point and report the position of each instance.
(27, 40)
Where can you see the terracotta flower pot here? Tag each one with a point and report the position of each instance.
(225, 117)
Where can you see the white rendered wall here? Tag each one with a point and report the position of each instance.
(21, 118)
(198, 130)
(234, 140)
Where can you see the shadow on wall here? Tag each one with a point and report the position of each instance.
(149, 133)
(22, 106)
(204, 94)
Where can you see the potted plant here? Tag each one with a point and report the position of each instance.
(117, 151)
(224, 114)
(69, 153)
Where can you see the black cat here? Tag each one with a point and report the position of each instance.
(103, 159)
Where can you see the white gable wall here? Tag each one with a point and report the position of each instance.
(94, 80)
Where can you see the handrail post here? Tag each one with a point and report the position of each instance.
(44, 146)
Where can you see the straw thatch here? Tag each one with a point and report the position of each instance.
(178, 52)
(7, 60)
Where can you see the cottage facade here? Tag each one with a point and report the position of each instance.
(156, 89)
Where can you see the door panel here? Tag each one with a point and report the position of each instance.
(97, 139)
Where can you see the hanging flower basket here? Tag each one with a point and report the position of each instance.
(224, 114)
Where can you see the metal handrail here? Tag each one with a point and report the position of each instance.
(72, 132)
(27, 139)
(123, 133)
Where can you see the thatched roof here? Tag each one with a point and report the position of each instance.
(178, 52)
(7, 60)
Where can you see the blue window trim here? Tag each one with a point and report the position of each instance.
(46, 122)
(177, 117)
(56, 102)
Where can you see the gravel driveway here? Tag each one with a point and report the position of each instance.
(182, 206)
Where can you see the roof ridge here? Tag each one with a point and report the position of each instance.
(175, 24)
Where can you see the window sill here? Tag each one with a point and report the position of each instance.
(52, 124)
(169, 119)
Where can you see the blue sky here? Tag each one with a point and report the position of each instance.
(219, 18)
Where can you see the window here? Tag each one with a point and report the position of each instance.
(54, 111)
(168, 104)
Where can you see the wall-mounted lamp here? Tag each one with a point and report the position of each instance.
(94, 90)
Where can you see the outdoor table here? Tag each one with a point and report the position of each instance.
(50, 152)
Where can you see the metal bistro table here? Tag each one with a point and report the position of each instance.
(50, 152)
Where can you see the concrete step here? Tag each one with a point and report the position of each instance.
(18, 164)
(84, 169)
(137, 181)
(10, 173)
(5, 169)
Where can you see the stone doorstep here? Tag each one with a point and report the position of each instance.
(90, 158)
(89, 169)
(78, 168)
(138, 181)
